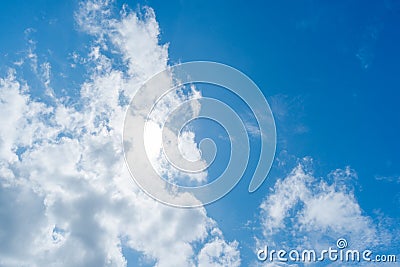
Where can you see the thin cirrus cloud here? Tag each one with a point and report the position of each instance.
(62, 166)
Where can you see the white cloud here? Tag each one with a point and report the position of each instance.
(188, 147)
(152, 57)
(219, 253)
(303, 211)
(164, 132)
(66, 195)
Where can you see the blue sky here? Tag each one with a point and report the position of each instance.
(330, 72)
(331, 66)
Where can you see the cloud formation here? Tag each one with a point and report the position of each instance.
(303, 212)
(67, 198)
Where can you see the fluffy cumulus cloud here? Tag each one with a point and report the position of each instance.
(219, 253)
(66, 195)
(306, 212)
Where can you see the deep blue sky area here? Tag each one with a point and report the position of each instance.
(329, 69)
(334, 66)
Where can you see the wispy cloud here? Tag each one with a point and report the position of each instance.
(391, 178)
